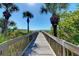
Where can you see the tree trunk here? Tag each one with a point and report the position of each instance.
(54, 21)
(55, 30)
(4, 28)
(28, 25)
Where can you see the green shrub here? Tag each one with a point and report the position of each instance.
(3, 38)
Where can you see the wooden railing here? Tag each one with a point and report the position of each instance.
(62, 47)
(15, 47)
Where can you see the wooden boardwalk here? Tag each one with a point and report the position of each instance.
(40, 47)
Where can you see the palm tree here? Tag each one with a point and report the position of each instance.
(9, 8)
(28, 15)
(55, 9)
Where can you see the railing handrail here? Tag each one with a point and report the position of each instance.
(68, 45)
(13, 41)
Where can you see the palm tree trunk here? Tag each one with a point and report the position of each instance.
(55, 30)
(54, 24)
(5, 22)
(28, 25)
(4, 28)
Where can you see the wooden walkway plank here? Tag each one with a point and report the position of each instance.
(40, 47)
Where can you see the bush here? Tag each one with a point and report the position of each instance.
(12, 34)
(75, 38)
(3, 38)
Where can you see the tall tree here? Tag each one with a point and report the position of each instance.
(28, 15)
(55, 9)
(9, 8)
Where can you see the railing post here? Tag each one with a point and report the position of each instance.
(67, 52)
(49, 42)
(1, 52)
(63, 48)
(63, 51)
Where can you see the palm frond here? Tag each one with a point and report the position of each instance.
(64, 5)
(14, 8)
(27, 14)
(43, 10)
(12, 23)
(56, 7)
(9, 6)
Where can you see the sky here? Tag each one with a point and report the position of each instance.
(39, 22)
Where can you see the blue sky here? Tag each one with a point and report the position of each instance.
(39, 22)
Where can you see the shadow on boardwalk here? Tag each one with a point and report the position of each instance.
(29, 49)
